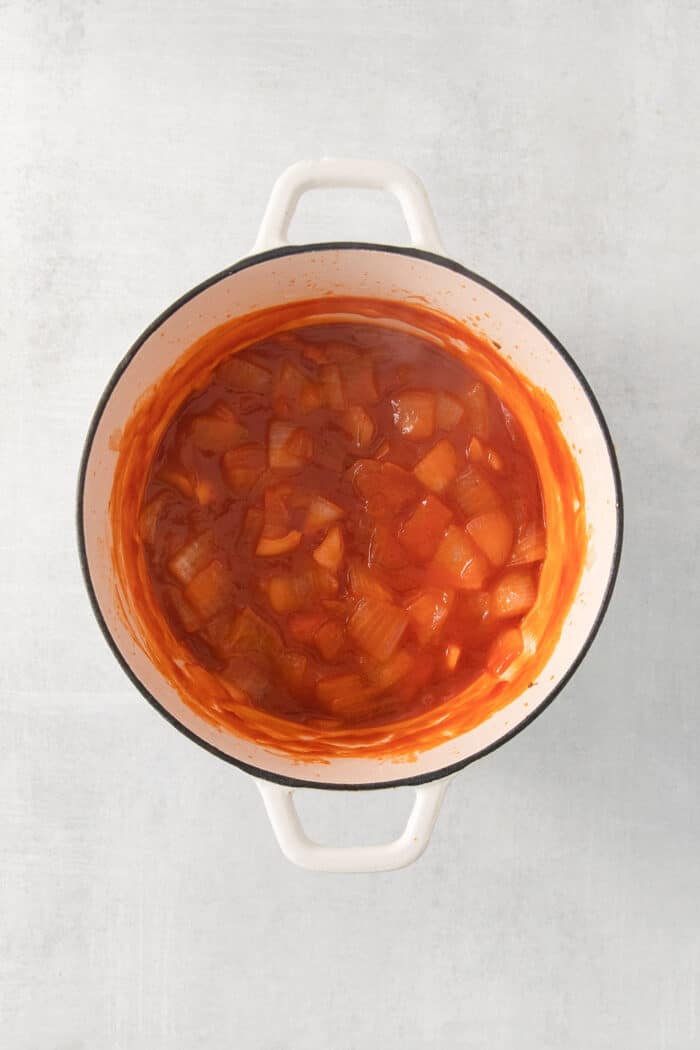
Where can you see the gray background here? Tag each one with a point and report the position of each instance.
(144, 901)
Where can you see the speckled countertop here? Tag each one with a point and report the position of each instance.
(145, 903)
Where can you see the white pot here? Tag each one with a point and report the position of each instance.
(283, 273)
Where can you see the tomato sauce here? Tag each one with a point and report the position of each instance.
(342, 527)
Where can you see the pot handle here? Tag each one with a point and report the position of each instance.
(301, 850)
(345, 173)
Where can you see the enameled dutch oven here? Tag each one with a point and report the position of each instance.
(281, 273)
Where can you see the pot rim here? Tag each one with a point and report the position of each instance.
(299, 249)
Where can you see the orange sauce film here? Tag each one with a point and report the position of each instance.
(346, 527)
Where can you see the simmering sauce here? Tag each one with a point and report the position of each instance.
(342, 528)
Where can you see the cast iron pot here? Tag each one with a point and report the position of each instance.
(279, 272)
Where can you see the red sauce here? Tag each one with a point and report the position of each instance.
(336, 536)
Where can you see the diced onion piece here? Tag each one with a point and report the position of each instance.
(362, 528)
(293, 668)
(266, 479)
(385, 488)
(377, 627)
(524, 490)
(182, 609)
(244, 679)
(358, 425)
(407, 578)
(315, 353)
(310, 398)
(150, 515)
(330, 640)
(289, 382)
(384, 548)
(422, 672)
(452, 655)
(211, 590)
(481, 454)
(348, 697)
(251, 633)
(205, 493)
(460, 559)
(272, 546)
(276, 500)
(330, 551)
(495, 461)
(217, 632)
(290, 340)
(252, 526)
(304, 626)
(178, 480)
(321, 512)
(493, 532)
(217, 429)
(337, 691)
(289, 447)
(242, 466)
(448, 410)
(241, 375)
(192, 558)
(363, 706)
(359, 383)
(477, 415)
(293, 392)
(428, 611)
(422, 531)
(325, 582)
(476, 452)
(339, 607)
(530, 544)
(475, 493)
(300, 445)
(513, 594)
(506, 648)
(288, 593)
(438, 468)
(331, 385)
(365, 583)
(414, 413)
(298, 498)
(475, 606)
(512, 425)
(386, 675)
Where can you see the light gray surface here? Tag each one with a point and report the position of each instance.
(144, 902)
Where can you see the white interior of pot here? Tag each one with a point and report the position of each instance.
(386, 275)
